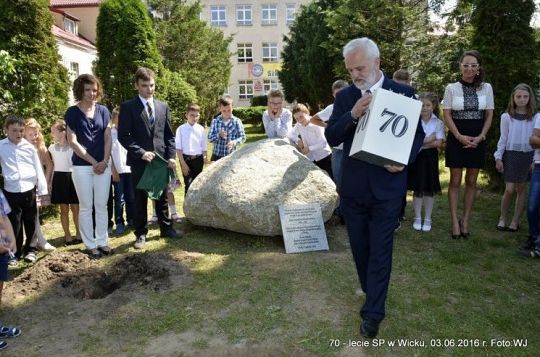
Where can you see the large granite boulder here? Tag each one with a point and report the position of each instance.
(242, 192)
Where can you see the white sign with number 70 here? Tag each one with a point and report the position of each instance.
(385, 133)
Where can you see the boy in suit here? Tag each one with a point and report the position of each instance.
(145, 130)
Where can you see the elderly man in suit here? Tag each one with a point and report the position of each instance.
(145, 130)
(371, 196)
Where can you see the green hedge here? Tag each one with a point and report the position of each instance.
(259, 100)
(250, 115)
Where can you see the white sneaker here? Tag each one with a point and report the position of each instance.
(417, 224)
(30, 257)
(47, 248)
(427, 225)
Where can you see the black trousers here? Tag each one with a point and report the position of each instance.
(195, 168)
(140, 219)
(326, 165)
(23, 212)
(370, 225)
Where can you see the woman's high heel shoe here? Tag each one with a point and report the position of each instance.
(464, 235)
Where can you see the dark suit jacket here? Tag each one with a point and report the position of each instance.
(136, 135)
(359, 178)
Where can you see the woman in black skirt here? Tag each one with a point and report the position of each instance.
(468, 111)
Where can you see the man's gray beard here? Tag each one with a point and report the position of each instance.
(368, 82)
(364, 86)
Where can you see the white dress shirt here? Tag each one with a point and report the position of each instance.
(21, 167)
(191, 139)
(515, 135)
(325, 115)
(151, 102)
(433, 126)
(277, 127)
(312, 137)
(119, 154)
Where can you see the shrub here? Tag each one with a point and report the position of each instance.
(177, 93)
(250, 115)
(259, 100)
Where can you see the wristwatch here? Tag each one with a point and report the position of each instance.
(483, 137)
(354, 120)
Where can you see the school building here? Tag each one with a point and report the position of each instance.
(257, 28)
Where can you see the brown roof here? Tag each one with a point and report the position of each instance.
(63, 13)
(68, 36)
(74, 3)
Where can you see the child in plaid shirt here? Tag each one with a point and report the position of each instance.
(226, 131)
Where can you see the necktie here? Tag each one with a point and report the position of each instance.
(150, 114)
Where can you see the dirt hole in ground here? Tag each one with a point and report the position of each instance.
(74, 274)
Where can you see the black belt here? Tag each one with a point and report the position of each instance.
(191, 157)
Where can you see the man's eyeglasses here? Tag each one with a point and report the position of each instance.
(473, 66)
(274, 103)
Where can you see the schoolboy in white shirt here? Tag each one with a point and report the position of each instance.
(22, 173)
(191, 145)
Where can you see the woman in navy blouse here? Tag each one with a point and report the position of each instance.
(90, 138)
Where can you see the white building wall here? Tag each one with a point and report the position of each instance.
(71, 55)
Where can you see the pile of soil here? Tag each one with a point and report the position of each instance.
(74, 274)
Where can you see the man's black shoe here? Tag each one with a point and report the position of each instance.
(171, 233)
(369, 328)
(529, 244)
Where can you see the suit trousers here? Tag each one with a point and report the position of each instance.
(140, 217)
(195, 168)
(370, 225)
(23, 213)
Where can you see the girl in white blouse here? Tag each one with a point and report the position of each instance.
(514, 154)
(423, 174)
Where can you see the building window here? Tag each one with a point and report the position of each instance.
(243, 15)
(290, 14)
(73, 70)
(245, 53)
(269, 14)
(269, 84)
(270, 52)
(219, 15)
(245, 89)
(70, 26)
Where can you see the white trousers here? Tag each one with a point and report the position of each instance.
(93, 191)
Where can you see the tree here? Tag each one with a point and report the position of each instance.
(33, 82)
(177, 93)
(125, 40)
(509, 53)
(397, 26)
(192, 48)
(306, 73)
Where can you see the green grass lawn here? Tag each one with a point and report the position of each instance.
(250, 298)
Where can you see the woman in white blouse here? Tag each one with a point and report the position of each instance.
(514, 154)
(468, 112)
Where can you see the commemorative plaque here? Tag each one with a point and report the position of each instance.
(303, 228)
